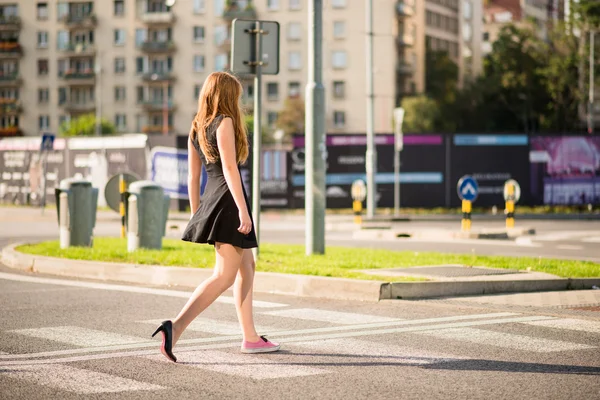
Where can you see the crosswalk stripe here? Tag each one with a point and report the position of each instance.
(118, 353)
(255, 367)
(564, 235)
(505, 340)
(334, 317)
(570, 324)
(329, 329)
(79, 336)
(76, 380)
(213, 326)
(388, 352)
(128, 289)
(594, 239)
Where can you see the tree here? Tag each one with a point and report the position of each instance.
(441, 85)
(291, 117)
(420, 114)
(85, 125)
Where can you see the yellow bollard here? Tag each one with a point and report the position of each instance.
(466, 219)
(357, 208)
(510, 206)
(122, 190)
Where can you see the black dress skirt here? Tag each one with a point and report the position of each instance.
(217, 218)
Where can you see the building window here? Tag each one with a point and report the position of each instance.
(272, 4)
(199, 63)
(294, 60)
(119, 8)
(119, 93)
(294, 89)
(43, 66)
(294, 31)
(221, 62)
(43, 96)
(272, 118)
(139, 65)
(197, 89)
(339, 29)
(339, 119)
(486, 36)
(295, 5)
(199, 6)
(119, 65)
(272, 91)
(62, 95)
(220, 34)
(339, 89)
(121, 122)
(139, 94)
(119, 37)
(199, 34)
(42, 10)
(339, 59)
(42, 40)
(44, 122)
(338, 3)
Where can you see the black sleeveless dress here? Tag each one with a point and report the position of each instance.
(217, 218)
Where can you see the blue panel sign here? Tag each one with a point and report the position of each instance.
(47, 142)
(467, 188)
(169, 168)
(491, 140)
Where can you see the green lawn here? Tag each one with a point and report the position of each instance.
(337, 262)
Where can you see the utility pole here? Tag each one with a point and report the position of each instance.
(371, 155)
(314, 188)
(591, 95)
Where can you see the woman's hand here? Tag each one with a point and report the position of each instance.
(245, 222)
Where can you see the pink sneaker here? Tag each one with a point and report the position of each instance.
(262, 346)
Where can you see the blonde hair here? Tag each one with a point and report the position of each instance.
(220, 95)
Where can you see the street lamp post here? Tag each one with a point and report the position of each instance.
(591, 94)
(371, 155)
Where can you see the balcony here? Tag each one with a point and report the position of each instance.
(158, 47)
(10, 106)
(10, 50)
(81, 78)
(406, 40)
(10, 79)
(158, 105)
(154, 129)
(234, 11)
(404, 10)
(404, 68)
(10, 23)
(10, 131)
(78, 107)
(79, 50)
(151, 77)
(158, 18)
(79, 21)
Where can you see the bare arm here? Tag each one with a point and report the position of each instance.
(194, 173)
(227, 153)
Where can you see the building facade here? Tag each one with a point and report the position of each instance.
(141, 64)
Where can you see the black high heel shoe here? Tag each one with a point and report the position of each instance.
(166, 327)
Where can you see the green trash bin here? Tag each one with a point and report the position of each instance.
(146, 209)
(76, 204)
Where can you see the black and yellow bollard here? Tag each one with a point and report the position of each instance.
(357, 207)
(466, 219)
(510, 206)
(122, 189)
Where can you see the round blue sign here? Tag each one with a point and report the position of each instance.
(467, 188)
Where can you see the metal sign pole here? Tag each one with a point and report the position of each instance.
(256, 136)
(371, 155)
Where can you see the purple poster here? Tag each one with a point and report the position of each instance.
(565, 170)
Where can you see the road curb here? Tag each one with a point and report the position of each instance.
(286, 284)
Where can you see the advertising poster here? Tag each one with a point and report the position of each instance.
(565, 170)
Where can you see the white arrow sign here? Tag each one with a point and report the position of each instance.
(469, 188)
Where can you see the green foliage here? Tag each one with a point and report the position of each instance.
(292, 117)
(421, 114)
(86, 126)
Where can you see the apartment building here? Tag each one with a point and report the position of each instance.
(141, 64)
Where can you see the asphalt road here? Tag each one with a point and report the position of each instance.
(73, 339)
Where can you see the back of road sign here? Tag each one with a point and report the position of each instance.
(243, 47)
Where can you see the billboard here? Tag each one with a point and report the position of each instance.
(565, 170)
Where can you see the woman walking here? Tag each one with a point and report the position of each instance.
(218, 139)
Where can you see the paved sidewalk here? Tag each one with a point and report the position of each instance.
(558, 299)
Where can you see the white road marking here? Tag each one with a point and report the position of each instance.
(564, 235)
(213, 326)
(59, 353)
(78, 336)
(334, 317)
(568, 247)
(3, 353)
(387, 352)
(128, 289)
(594, 239)
(76, 380)
(300, 338)
(570, 324)
(255, 367)
(506, 340)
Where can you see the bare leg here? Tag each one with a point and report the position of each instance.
(242, 293)
(228, 261)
